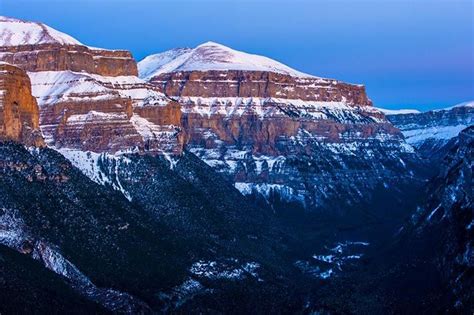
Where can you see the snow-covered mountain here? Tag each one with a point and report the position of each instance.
(15, 32)
(136, 203)
(116, 214)
(278, 133)
(90, 98)
(38, 47)
(429, 131)
(210, 56)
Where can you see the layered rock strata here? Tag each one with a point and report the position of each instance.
(276, 131)
(38, 47)
(19, 113)
(105, 114)
(90, 98)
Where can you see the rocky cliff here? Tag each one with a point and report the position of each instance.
(105, 114)
(38, 47)
(276, 131)
(90, 98)
(19, 113)
(98, 220)
(212, 70)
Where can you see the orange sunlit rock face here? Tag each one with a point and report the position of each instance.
(19, 113)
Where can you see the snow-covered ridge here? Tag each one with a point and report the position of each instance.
(161, 63)
(463, 104)
(398, 111)
(436, 127)
(415, 111)
(210, 56)
(417, 136)
(15, 32)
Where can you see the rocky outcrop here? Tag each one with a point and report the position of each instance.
(105, 114)
(430, 131)
(56, 57)
(37, 47)
(19, 113)
(275, 131)
(90, 98)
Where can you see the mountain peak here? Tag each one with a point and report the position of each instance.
(211, 43)
(15, 32)
(211, 56)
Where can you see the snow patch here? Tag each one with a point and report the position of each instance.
(229, 269)
(13, 230)
(287, 193)
(324, 266)
(416, 136)
(91, 164)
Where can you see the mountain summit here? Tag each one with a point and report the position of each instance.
(210, 56)
(38, 47)
(15, 32)
(277, 133)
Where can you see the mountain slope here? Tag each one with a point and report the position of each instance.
(428, 266)
(185, 234)
(448, 217)
(99, 113)
(278, 135)
(430, 131)
(27, 286)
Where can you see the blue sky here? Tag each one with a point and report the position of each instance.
(417, 54)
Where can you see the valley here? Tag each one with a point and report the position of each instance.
(210, 180)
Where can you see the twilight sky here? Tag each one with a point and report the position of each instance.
(408, 53)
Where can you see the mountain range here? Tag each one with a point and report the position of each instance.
(212, 180)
